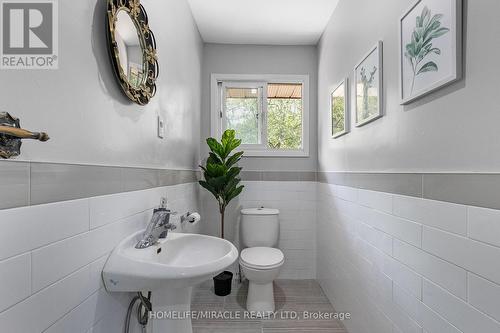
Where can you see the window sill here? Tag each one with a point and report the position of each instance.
(275, 153)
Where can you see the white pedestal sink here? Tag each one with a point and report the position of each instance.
(169, 270)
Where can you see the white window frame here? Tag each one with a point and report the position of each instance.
(262, 110)
(217, 116)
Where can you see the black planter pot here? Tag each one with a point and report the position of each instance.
(222, 283)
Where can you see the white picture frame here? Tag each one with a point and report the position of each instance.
(368, 94)
(340, 90)
(442, 65)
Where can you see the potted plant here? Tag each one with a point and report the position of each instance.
(220, 175)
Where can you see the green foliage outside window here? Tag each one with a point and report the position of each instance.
(284, 121)
(242, 116)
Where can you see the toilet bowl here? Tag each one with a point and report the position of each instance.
(261, 265)
(260, 260)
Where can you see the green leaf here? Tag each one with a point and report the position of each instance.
(233, 172)
(410, 50)
(234, 193)
(426, 16)
(226, 141)
(234, 159)
(232, 145)
(215, 147)
(428, 67)
(436, 18)
(231, 185)
(439, 32)
(217, 184)
(213, 159)
(435, 50)
(208, 187)
(418, 21)
(216, 170)
(227, 137)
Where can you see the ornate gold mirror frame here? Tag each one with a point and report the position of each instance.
(147, 89)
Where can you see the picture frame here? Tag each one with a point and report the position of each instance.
(339, 109)
(441, 64)
(368, 86)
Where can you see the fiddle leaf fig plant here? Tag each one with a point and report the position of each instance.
(221, 171)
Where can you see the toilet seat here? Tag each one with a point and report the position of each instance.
(261, 258)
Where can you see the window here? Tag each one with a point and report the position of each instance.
(268, 113)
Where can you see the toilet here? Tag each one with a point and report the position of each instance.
(260, 260)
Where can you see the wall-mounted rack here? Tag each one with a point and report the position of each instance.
(11, 136)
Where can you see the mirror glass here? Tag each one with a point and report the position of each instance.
(130, 54)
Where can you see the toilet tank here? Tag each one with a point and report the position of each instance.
(260, 227)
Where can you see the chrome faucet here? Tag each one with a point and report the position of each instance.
(158, 228)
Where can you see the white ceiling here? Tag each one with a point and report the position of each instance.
(270, 22)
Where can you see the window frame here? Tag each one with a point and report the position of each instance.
(262, 109)
(217, 115)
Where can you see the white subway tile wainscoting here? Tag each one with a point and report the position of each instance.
(407, 264)
(396, 263)
(296, 202)
(52, 255)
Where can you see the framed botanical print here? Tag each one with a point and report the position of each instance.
(339, 109)
(368, 87)
(430, 47)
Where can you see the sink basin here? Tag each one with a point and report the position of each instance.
(169, 270)
(180, 260)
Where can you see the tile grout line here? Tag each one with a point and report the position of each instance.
(29, 182)
(447, 261)
(460, 299)
(467, 287)
(422, 187)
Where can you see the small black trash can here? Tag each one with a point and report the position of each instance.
(222, 283)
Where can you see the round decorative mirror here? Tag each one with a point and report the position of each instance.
(132, 48)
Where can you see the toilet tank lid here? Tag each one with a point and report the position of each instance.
(260, 211)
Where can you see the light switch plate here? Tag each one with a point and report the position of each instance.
(161, 128)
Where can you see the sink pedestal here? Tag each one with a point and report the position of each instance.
(169, 268)
(172, 308)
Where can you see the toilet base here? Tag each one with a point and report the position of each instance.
(260, 297)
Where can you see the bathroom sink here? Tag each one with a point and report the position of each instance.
(178, 261)
(169, 270)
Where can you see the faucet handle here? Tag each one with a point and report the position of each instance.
(189, 217)
(170, 226)
(167, 227)
(163, 202)
(163, 209)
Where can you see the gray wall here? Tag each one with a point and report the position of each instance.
(83, 110)
(455, 129)
(259, 59)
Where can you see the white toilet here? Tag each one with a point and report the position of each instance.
(260, 260)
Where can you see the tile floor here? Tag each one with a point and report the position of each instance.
(292, 297)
